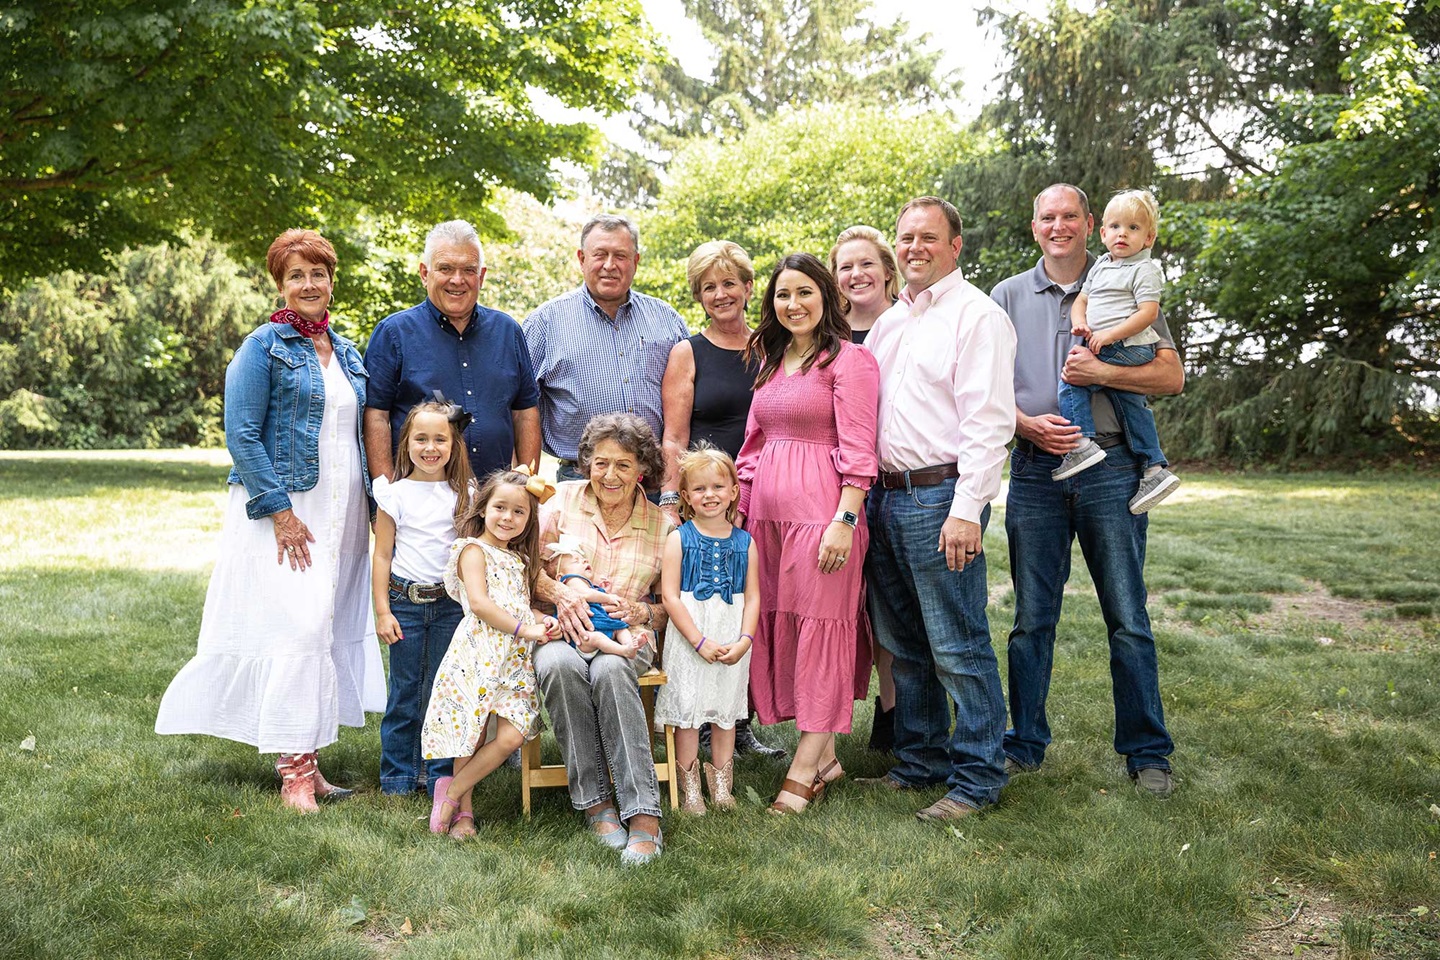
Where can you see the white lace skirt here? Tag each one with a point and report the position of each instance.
(699, 692)
(285, 657)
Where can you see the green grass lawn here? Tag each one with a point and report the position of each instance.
(1300, 663)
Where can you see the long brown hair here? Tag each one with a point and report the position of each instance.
(527, 545)
(457, 471)
(768, 342)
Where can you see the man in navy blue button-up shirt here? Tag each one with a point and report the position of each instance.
(475, 356)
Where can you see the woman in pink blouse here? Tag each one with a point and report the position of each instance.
(808, 458)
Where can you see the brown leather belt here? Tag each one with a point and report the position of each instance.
(418, 592)
(924, 477)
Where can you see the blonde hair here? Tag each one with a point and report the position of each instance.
(717, 253)
(1139, 204)
(887, 257)
(706, 457)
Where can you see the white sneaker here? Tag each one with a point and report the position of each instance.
(1153, 489)
(1080, 459)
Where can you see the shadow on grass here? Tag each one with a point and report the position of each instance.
(55, 478)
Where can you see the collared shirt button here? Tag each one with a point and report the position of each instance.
(468, 392)
(464, 363)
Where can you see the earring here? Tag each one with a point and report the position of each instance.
(279, 301)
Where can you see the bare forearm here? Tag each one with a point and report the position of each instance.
(852, 499)
(378, 453)
(527, 436)
(1164, 376)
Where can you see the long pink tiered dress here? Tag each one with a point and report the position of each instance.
(808, 434)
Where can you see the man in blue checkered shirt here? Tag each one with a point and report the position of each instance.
(603, 347)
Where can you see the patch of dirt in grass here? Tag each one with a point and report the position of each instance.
(1293, 922)
(904, 936)
(1354, 619)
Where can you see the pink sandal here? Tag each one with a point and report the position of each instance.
(463, 825)
(440, 821)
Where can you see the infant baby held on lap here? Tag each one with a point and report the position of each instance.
(607, 634)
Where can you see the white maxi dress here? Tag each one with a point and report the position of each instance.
(286, 656)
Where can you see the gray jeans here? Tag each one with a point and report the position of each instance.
(595, 709)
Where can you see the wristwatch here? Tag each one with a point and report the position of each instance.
(847, 518)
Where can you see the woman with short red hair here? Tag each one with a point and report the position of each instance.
(286, 651)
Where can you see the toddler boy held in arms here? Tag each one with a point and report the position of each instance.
(1114, 312)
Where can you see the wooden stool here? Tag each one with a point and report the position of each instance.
(534, 774)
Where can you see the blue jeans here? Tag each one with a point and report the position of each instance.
(428, 628)
(1135, 417)
(933, 620)
(1042, 518)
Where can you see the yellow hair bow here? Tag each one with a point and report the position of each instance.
(539, 487)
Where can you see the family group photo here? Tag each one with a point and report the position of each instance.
(717, 479)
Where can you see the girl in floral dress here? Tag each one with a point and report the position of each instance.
(488, 669)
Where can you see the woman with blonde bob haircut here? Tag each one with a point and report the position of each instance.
(706, 391)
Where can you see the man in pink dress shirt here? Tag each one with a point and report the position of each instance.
(947, 409)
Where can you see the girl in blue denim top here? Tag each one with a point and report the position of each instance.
(420, 508)
(708, 565)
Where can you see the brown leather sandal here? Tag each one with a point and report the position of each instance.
(798, 789)
(823, 780)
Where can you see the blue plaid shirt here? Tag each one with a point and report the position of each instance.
(588, 364)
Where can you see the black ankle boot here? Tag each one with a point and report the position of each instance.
(882, 731)
(745, 742)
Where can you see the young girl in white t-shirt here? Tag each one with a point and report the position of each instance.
(419, 508)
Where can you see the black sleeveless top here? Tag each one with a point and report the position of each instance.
(722, 395)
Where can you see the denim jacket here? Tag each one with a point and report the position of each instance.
(274, 403)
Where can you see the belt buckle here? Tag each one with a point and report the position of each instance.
(413, 592)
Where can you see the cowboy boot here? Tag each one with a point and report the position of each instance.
(690, 799)
(324, 789)
(882, 731)
(720, 783)
(297, 788)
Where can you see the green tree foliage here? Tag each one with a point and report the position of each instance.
(537, 260)
(123, 122)
(132, 358)
(1133, 92)
(792, 183)
(771, 55)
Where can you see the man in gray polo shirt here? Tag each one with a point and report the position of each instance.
(1043, 517)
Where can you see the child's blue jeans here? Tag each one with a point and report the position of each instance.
(414, 661)
(1130, 408)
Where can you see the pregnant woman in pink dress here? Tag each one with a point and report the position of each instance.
(808, 458)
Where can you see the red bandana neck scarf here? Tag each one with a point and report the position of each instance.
(309, 328)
